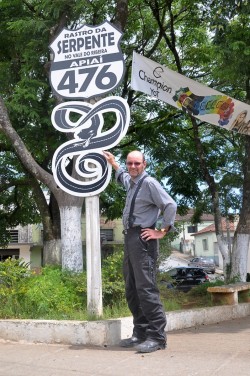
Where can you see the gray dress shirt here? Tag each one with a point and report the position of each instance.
(151, 201)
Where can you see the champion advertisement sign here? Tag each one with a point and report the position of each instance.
(87, 62)
(192, 97)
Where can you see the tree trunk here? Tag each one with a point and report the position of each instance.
(241, 240)
(221, 239)
(68, 205)
(52, 254)
(223, 247)
(240, 256)
(71, 240)
(51, 226)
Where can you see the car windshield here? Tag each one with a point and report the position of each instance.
(207, 259)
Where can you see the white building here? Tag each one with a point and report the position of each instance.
(205, 242)
(185, 242)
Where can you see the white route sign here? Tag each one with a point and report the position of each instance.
(87, 62)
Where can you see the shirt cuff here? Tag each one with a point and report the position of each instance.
(118, 173)
(171, 229)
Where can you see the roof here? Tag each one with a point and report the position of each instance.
(188, 217)
(211, 228)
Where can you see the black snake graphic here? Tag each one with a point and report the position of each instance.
(93, 172)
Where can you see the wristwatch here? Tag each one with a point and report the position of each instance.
(165, 230)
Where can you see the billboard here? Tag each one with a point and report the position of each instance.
(198, 100)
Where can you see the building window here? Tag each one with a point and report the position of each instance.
(205, 244)
(9, 253)
(107, 234)
(13, 236)
(192, 229)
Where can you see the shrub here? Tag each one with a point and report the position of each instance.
(12, 271)
(57, 294)
(13, 274)
(112, 279)
(54, 294)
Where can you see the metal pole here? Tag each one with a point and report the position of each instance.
(93, 257)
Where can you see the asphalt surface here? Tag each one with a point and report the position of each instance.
(221, 349)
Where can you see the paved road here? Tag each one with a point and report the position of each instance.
(172, 262)
(214, 350)
(178, 259)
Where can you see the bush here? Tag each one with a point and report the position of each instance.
(53, 294)
(57, 294)
(112, 279)
(13, 274)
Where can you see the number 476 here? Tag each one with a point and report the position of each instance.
(72, 79)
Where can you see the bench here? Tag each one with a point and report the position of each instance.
(230, 294)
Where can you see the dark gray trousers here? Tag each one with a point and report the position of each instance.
(142, 293)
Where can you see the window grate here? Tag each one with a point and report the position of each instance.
(14, 236)
(107, 234)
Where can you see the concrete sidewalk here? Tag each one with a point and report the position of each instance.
(110, 332)
(221, 349)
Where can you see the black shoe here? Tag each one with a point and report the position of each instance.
(150, 345)
(131, 342)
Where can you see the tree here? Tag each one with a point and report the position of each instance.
(232, 42)
(192, 51)
(241, 242)
(240, 23)
(26, 23)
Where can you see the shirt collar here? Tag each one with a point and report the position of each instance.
(138, 178)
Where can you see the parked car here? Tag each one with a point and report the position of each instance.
(183, 278)
(207, 263)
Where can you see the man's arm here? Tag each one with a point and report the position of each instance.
(111, 159)
(167, 206)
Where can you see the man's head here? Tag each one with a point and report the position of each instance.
(136, 163)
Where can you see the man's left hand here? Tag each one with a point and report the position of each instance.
(149, 233)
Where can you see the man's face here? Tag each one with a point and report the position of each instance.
(135, 164)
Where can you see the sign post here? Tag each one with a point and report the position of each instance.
(93, 256)
(88, 63)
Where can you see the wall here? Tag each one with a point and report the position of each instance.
(36, 257)
(213, 250)
(115, 225)
(211, 239)
(189, 245)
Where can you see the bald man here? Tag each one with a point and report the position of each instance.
(141, 250)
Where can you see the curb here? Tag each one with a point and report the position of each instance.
(109, 332)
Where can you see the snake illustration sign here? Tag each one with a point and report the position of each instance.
(92, 171)
(87, 62)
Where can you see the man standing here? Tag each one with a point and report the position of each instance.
(141, 250)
